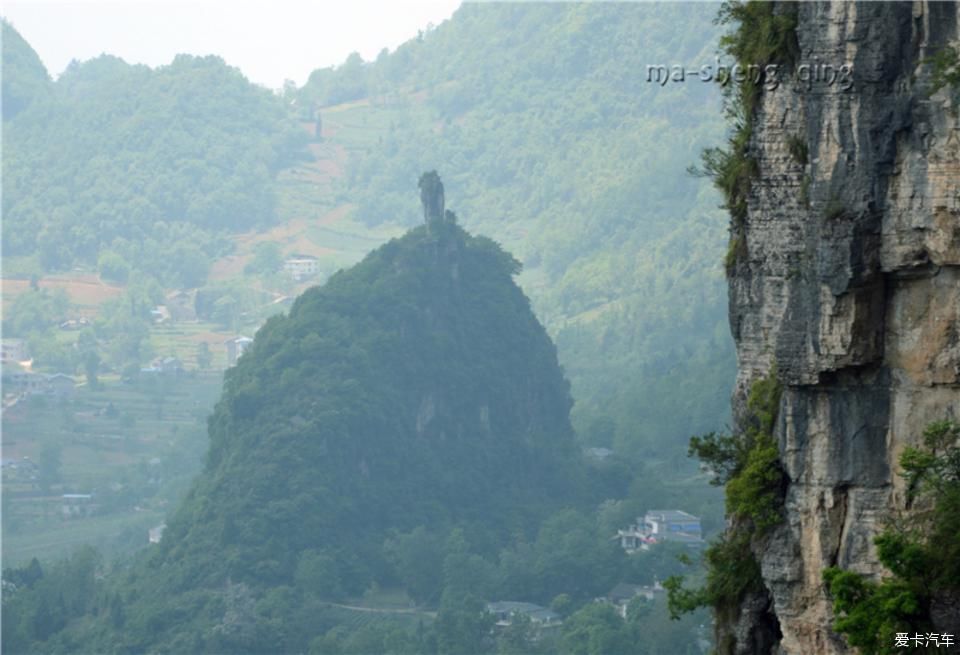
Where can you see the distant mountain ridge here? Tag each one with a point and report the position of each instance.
(136, 161)
(547, 130)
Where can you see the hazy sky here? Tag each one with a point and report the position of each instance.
(269, 41)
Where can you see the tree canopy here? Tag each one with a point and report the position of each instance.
(136, 160)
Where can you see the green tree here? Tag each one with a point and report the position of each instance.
(191, 265)
(204, 356)
(519, 637)
(562, 604)
(49, 465)
(91, 366)
(267, 258)
(596, 629)
(922, 553)
(415, 556)
(463, 625)
(318, 573)
(35, 311)
(113, 267)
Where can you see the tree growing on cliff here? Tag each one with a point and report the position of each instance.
(748, 463)
(922, 552)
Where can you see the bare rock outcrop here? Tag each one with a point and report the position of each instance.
(849, 284)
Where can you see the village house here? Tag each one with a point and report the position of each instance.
(22, 464)
(659, 525)
(160, 314)
(23, 382)
(598, 454)
(301, 268)
(59, 385)
(77, 505)
(155, 534)
(13, 350)
(621, 595)
(163, 366)
(505, 611)
(74, 324)
(235, 348)
(181, 305)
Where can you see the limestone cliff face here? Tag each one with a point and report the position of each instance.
(850, 284)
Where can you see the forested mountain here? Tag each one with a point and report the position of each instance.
(146, 165)
(406, 424)
(540, 115)
(416, 388)
(25, 78)
(544, 123)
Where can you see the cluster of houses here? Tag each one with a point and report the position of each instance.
(541, 618)
(78, 505)
(29, 383)
(163, 366)
(24, 465)
(505, 612)
(656, 526)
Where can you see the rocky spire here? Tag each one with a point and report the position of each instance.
(431, 196)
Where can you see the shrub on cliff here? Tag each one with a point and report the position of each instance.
(922, 552)
(748, 463)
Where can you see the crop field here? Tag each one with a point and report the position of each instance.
(85, 290)
(133, 448)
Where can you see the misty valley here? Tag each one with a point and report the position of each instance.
(500, 342)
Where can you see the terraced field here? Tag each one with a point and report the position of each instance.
(133, 448)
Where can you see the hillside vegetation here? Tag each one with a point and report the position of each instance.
(416, 388)
(410, 413)
(406, 434)
(540, 116)
(546, 128)
(133, 167)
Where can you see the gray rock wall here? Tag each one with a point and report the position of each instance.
(851, 285)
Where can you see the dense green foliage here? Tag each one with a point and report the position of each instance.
(555, 143)
(946, 70)
(762, 38)
(24, 77)
(748, 463)
(149, 164)
(416, 389)
(406, 425)
(922, 553)
(39, 603)
(420, 373)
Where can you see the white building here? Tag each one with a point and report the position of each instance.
(155, 534)
(300, 268)
(235, 348)
(13, 350)
(660, 525)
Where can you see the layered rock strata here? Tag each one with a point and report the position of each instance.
(848, 283)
